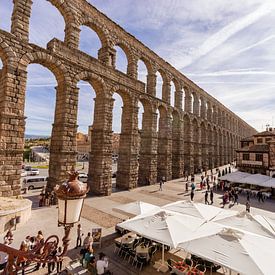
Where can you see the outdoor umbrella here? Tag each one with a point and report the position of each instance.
(246, 222)
(240, 251)
(267, 222)
(199, 210)
(133, 209)
(169, 228)
(235, 176)
(255, 179)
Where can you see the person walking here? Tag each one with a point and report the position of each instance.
(247, 206)
(160, 185)
(211, 196)
(88, 241)
(186, 186)
(206, 197)
(192, 195)
(79, 236)
(236, 197)
(248, 196)
(102, 264)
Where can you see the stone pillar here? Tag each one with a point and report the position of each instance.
(178, 99)
(209, 112)
(177, 147)
(151, 84)
(204, 142)
(20, 19)
(148, 149)
(165, 145)
(203, 108)
(107, 55)
(215, 115)
(12, 126)
(225, 148)
(187, 101)
(72, 35)
(216, 149)
(196, 105)
(127, 168)
(197, 147)
(166, 91)
(221, 150)
(100, 160)
(63, 151)
(132, 68)
(188, 147)
(210, 148)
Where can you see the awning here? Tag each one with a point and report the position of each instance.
(255, 179)
(235, 176)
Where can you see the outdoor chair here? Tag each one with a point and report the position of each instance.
(201, 268)
(132, 255)
(189, 262)
(140, 260)
(152, 251)
(117, 248)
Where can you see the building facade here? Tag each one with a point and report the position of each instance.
(256, 153)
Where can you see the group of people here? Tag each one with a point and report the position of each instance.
(230, 196)
(88, 259)
(47, 198)
(34, 243)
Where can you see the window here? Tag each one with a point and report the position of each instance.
(259, 140)
(267, 139)
(259, 157)
(245, 156)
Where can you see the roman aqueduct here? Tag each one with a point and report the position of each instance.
(197, 133)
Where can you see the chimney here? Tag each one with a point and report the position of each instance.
(270, 129)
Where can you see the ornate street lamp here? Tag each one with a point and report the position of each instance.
(70, 197)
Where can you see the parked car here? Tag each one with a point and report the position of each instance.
(27, 168)
(23, 173)
(33, 172)
(34, 182)
(83, 177)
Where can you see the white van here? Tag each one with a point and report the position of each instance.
(34, 182)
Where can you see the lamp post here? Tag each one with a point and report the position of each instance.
(70, 195)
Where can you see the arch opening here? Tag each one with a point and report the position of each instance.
(159, 85)
(51, 23)
(89, 41)
(85, 118)
(121, 59)
(173, 94)
(142, 72)
(39, 109)
(6, 8)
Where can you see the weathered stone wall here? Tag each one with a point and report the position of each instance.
(162, 153)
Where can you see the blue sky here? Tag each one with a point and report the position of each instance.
(226, 47)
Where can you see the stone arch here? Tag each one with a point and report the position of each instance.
(210, 146)
(6, 53)
(216, 146)
(48, 61)
(100, 30)
(96, 81)
(164, 81)
(130, 59)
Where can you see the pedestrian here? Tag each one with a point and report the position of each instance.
(192, 195)
(8, 237)
(21, 260)
(102, 264)
(87, 257)
(59, 261)
(88, 241)
(211, 196)
(201, 185)
(248, 196)
(236, 197)
(160, 185)
(186, 186)
(163, 179)
(208, 186)
(206, 197)
(247, 206)
(79, 236)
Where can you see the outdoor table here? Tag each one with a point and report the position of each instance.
(143, 251)
(127, 239)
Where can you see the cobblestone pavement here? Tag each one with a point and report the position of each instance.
(98, 213)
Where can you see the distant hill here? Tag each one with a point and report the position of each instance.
(36, 137)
